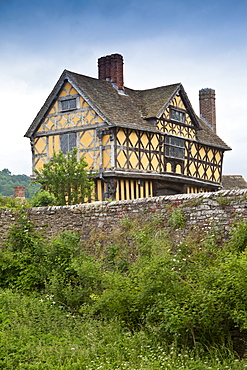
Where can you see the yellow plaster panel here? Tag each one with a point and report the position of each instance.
(54, 108)
(144, 140)
(168, 167)
(192, 169)
(68, 89)
(87, 139)
(159, 126)
(99, 190)
(209, 173)
(201, 171)
(145, 161)
(133, 160)
(155, 163)
(177, 102)
(202, 153)
(133, 139)
(83, 103)
(40, 145)
(89, 160)
(127, 189)
(50, 145)
(218, 157)
(217, 175)
(56, 144)
(121, 137)
(210, 155)
(178, 168)
(90, 117)
(122, 189)
(193, 151)
(106, 159)
(106, 139)
(155, 142)
(40, 164)
(121, 158)
(141, 195)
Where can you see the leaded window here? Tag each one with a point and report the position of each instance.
(67, 142)
(174, 147)
(68, 104)
(177, 115)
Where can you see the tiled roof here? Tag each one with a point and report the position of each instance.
(233, 182)
(131, 109)
(207, 136)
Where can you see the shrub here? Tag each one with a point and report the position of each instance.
(43, 199)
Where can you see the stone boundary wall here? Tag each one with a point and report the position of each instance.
(200, 210)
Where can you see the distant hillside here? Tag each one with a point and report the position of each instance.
(9, 181)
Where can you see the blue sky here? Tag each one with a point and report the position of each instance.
(201, 44)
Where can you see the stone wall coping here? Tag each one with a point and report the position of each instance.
(140, 201)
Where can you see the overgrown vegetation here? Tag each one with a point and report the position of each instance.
(129, 300)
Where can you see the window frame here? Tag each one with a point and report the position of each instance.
(179, 112)
(173, 146)
(70, 144)
(68, 99)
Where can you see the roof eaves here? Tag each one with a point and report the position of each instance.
(65, 76)
(52, 96)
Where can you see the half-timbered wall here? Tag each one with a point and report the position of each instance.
(146, 151)
(82, 121)
(173, 149)
(138, 150)
(170, 126)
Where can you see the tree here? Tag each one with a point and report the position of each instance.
(66, 178)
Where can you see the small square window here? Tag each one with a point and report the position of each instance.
(177, 115)
(68, 104)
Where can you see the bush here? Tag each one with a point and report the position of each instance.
(43, 199)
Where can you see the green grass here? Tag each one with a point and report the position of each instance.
(38, 333)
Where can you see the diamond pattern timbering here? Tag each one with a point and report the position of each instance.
(139, 150)
(89, 145)
(144, 151)
(203, 162)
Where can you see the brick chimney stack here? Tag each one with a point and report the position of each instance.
(110, 68)
(207, 106)
(19, 191)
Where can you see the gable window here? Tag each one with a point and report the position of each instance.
(68, 104)
(174, 147)
(177, 115)
(67, 142)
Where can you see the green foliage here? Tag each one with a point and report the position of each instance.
(43, 199)
(176, 217)
(37, 333)
(192, 294)
(238, 241)
(9, 181)
(66, 178)
(13, 203)
(223, 201)
(58, 267)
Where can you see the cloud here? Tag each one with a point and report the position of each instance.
(198, 44)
